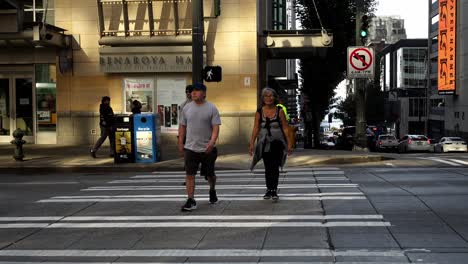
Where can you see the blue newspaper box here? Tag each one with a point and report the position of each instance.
(144, 138)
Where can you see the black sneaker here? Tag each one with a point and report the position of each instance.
(267, 195)
(189, 205)
(213, 197)
(93, 153)
(274, 196)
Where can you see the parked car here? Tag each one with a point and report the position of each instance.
(414, 143)
(386, 142)
(447, 144)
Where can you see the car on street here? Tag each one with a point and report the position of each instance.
(414, 143)
(386, 142)
(447, 144)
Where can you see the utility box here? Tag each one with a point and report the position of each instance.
(145, 138)
(124, 144)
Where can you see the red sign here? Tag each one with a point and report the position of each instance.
(360, 59)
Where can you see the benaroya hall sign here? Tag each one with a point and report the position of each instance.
(139, 59)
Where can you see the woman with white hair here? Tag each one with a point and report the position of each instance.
(272, 146)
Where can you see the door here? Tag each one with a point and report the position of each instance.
(16, 108)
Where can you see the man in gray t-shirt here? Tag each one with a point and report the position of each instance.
(200, 123)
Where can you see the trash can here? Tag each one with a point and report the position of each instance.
(145, 138)
(123, 134)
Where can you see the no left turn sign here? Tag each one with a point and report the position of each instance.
(360, 62)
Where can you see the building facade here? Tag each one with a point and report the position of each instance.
(387, 29)
(403, 78)
(126, 50)
(448, 39)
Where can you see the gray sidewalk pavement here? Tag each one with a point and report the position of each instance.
(49, 158)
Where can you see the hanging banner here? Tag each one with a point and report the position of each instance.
(447, 46)
(141, 90)
(170, 94)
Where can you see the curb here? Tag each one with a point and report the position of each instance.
(169, 166)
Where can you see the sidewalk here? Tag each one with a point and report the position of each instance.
(57, 158)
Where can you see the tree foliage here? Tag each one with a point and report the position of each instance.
(375, 107)
(321, 74)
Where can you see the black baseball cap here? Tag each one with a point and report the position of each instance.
(199, 87)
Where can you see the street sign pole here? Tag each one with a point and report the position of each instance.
(197, 41)
(360, 92)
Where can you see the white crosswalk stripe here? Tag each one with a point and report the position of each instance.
(452, 162)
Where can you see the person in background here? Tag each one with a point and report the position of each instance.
(136, 107)
(200, 126)
(270, 128)
(106, 121)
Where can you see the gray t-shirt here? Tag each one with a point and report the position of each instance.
(199, 120)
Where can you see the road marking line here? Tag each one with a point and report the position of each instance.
(201, 253)
(205, 195)
(441, 161)
(182, 199)
(194, 225)
(230, 186)
(190, 217)
(459, 161)
(390, 164)
(156, 180)
(189, 262)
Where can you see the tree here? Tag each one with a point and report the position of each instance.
(375, 107)
(321, 74)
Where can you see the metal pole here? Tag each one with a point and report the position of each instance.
(197, 41)
(360, 90)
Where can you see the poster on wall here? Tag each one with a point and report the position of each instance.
(170, 95)
(141, 90)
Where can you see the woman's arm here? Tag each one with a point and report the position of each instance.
(284, 126)
(254, 133)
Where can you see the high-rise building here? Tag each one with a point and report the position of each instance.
(387, 29)
(403, 78)
(448, 93)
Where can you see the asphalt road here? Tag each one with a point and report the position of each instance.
(377, 213)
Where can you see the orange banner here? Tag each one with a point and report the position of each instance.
(447, 46)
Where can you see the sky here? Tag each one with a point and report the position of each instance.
(414, 12)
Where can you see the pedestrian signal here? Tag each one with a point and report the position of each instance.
(212, 74)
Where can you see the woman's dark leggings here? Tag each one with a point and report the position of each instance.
(272, 162)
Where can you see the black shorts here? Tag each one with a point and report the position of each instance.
(194, 159)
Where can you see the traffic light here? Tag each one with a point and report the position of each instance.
(364, 30)
(212, 74)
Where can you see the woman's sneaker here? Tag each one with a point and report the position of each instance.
(274, 196)
(189, 205)
(267, 195)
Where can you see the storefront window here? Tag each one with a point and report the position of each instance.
(46, 94)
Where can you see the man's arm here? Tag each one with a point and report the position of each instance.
(214, 137)
(180, 143)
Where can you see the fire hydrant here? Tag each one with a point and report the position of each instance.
(19, 142)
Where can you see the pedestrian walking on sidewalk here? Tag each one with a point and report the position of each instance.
(270, 128)
(106, 121)
(200, 127)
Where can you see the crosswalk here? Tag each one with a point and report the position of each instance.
(241, 228)
(455, 162)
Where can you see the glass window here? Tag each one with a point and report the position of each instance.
(46, 96)
(5, 107)
(39, 11)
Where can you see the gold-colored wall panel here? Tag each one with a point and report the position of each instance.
(231, 42)
(62, 14)
(84, 14)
